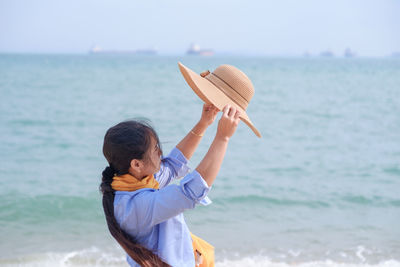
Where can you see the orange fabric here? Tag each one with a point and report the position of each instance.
(203, 252)
(128, 182)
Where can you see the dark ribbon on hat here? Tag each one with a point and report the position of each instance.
(210, 77)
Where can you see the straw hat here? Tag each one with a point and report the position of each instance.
(226, 85)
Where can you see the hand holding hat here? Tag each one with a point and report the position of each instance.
(228, 123)
(208, 114)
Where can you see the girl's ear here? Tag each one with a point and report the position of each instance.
(136, 166)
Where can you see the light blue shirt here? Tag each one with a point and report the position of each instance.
(155, 217)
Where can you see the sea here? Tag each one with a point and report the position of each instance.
(320, 188)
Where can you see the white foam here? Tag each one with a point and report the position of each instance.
(265, 262)
(359, 253)
(98, 258)
(80, 258)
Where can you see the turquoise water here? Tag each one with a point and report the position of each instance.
(321, 188)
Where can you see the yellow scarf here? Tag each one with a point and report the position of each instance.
(203, 251)
(127, 182)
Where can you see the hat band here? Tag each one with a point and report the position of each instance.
(228, 90)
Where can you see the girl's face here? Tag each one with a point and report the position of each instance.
(152, 160)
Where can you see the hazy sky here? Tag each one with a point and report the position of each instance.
(370, 27)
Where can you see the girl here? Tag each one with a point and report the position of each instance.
(145, 214)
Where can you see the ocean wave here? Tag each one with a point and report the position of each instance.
(81, 258)
(348, 200)
(376, 201)
(48, 207)
(266, 262)
(96, 257)
(30, 122)
(254, 199)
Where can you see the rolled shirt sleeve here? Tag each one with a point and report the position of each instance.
(195, 188)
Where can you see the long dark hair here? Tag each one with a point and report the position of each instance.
(123, 142)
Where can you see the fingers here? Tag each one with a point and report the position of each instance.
(226, 110)
(231, 112)
(213, 108)
(228, 122)
(237, 114)
(209, 107)
(215, 112)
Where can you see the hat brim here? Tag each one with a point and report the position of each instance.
(211, 94)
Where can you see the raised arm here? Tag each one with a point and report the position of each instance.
(211, 163)
(190, 142)
(155, 206)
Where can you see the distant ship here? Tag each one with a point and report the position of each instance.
(306, 54)
(326, 54)
(98, 50)
(194, 49)
(348, 53)
(396, 54)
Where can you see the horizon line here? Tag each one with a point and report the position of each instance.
(216, 54)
